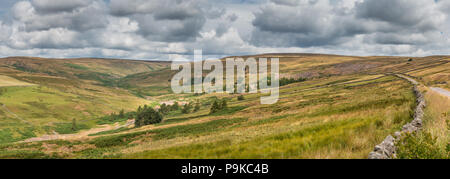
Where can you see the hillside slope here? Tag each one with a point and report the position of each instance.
(342, 109)
(49, 93)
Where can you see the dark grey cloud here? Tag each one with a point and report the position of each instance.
(399, 12)
(54, 6)
(168, 21)
(298, 25)
(126, 8)
(404, 22)
(310, 23)
(82, 16)
(286, 2)
(232, 17)
(169, 30)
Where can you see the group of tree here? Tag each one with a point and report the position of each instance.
(218, 105)
(186, 108)
(121, 116)
(190, 107)
(146, 116)
(286, 81)
(165, 109)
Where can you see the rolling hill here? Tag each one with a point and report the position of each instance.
(344, 107)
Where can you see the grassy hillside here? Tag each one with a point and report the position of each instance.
(342, 109)
(39, 96)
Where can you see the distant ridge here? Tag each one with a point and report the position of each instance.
(81, 58)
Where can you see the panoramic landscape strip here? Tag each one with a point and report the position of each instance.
(212, 88)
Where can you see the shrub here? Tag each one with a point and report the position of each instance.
(420, 146)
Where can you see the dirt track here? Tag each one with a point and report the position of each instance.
(81, 135)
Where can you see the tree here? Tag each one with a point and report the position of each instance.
(147, 116)
(164, 109)
(224, 104)
(113, 116)
(175, 106)
(215, 107)
(187, 108)
(122, 114)
(74, 124)
(197, 107)
(3, 90)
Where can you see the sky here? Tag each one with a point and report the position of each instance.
(173, 29)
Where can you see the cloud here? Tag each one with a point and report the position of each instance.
(286, 2)
(402, 13)
(303, 24)
(310, 23)
(168, 21)
(80, 18)
(232, 17)
(55, 6)
(155, 29)
(6, 32)
(56, 38)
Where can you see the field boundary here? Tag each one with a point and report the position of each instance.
(387, 149)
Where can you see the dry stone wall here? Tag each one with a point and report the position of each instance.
(387, 150)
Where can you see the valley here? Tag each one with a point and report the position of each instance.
(341, 108)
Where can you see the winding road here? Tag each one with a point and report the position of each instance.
(441, 91)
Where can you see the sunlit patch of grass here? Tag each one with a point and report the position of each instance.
(352, 136)
(329, 136)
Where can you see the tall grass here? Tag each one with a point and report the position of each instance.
(434, 141)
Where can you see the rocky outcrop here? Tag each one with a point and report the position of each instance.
(387, 150)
